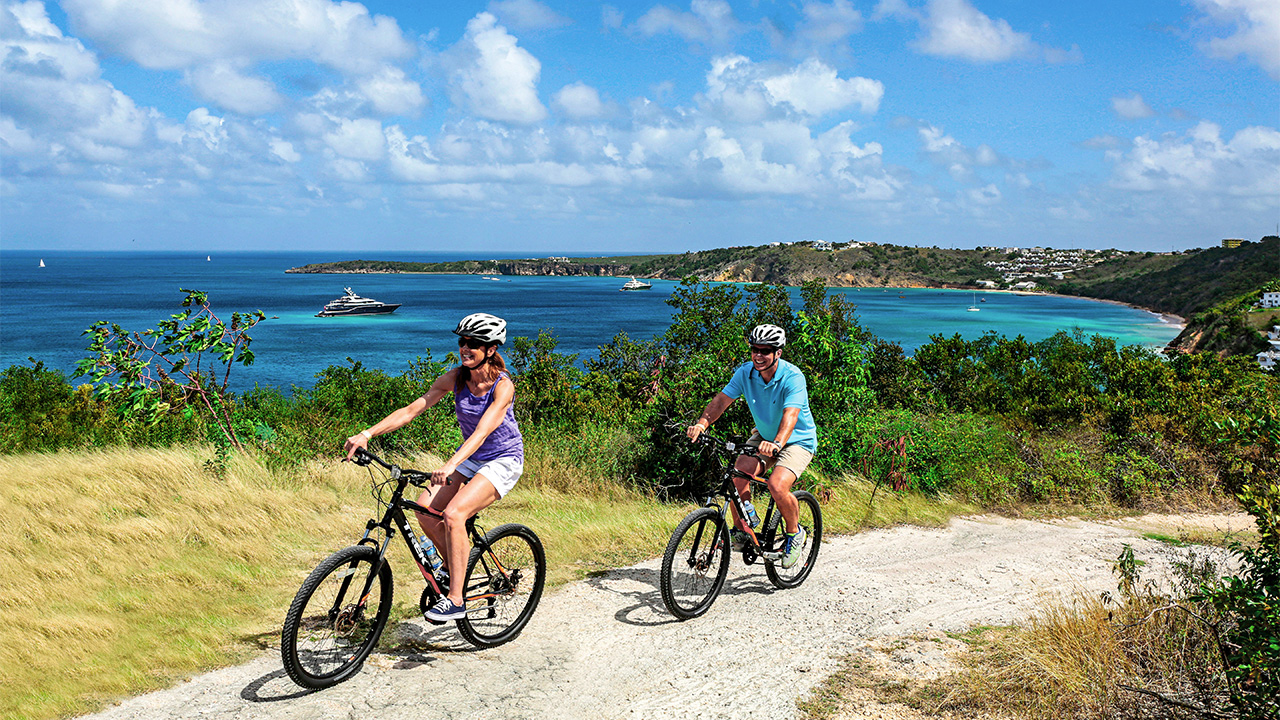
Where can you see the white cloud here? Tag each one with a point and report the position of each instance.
(390, 92)
(492, 76)
(283, 149)
(180, 34)
(360, 139)
(1257, 31)
(987, 195)
(954, 28)
(610, 17)
(1248, 165)
(579, 101)
(814, 89)
(709, 21)
(743, 91)
(1132, 108)
(227, 87)
(54, 95)
(821, 26)
(525, 15)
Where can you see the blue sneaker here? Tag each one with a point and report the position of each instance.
(793, 549)
(445, 610)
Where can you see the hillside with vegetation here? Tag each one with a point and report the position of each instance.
(1182, 284)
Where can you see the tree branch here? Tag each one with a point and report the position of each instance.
(1206, 712)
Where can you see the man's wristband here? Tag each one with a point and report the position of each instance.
(367, 435)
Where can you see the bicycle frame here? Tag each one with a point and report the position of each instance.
(729, 491)
(395, 519)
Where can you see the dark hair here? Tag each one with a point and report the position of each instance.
(464, 372)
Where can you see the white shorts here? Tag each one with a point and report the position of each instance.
(503, 472)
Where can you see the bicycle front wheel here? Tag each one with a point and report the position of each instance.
(504, 585)
(695, 564)
(811, 521)
(336, 618)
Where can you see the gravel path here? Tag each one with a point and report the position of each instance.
(606, 648)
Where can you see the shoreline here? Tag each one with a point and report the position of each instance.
(1168, 318)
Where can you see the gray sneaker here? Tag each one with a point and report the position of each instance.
(793, 549)
(739, 538)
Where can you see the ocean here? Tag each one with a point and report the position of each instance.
(44, 311)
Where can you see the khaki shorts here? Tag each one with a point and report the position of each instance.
(792, 457)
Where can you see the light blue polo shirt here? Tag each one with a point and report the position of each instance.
(787, 389)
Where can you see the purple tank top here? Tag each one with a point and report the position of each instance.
(504, 441)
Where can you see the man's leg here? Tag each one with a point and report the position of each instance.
(780, 483)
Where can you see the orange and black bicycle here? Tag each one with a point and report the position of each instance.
(696, 562)
(342, 608)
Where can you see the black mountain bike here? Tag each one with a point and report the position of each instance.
(342, 608)
(696, 562)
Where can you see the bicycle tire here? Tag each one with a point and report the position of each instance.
(811, 521)
(501, 596)
(321, 648)
(695, 564)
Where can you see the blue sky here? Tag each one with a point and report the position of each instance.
(530, 126)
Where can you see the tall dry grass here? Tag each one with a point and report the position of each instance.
(130, 568)
(1079, 657)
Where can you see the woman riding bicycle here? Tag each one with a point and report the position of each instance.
(487, 464)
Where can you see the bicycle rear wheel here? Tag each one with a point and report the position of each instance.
(695, 564)
(811, 521)
(330, 628)
(504, 585)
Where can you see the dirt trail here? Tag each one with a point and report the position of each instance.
(606, 648)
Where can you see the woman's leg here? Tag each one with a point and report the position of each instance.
(470, 499)
(437, 498)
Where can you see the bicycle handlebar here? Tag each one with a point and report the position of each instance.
(734, 445)
(415, 477)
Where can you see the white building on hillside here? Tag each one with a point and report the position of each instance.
(987, 283)
(1270, 299)
(1025, 285)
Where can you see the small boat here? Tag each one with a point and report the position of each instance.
(974, 306)
(634, 284)
(352, 304)
(41, 262)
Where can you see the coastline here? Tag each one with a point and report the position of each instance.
(1169, 318)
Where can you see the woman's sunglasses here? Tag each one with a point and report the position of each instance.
(472, 343)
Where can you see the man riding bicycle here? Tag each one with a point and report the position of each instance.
(784, 433)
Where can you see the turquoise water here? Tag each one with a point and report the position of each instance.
(43, 311)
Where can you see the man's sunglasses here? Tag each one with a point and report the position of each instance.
(472, 343)
(762, 350)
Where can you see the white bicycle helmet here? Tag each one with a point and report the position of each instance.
(483, 326)
(767, 335)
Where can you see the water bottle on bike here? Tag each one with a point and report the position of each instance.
(752, 517)
(432, 555)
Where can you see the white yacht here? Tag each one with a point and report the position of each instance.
(634, 284)
(352, 304)
(974, 306)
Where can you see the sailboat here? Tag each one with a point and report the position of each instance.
(974, 307)
(208, 258)
(41, 262)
